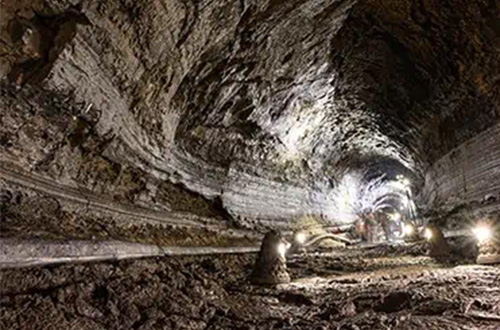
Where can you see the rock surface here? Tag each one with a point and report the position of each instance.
(377, 288)
(265, 110)
(270, 266)
(468, 174)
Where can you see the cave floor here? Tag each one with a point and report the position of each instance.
(383, 287)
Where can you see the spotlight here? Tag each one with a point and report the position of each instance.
(300, 238)
(428, 234)
(408, 230)
(482, 233)
(396, 216)
(282, 248)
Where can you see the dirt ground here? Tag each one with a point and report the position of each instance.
(371, 288)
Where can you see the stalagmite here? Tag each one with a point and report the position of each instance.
(270, 266)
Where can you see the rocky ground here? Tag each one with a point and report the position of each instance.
(370, 288)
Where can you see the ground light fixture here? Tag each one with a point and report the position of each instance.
(482, 232)
(408, 230)
(428, 234)
(487, 234)
(282, 248)
(438, 246)
(395, 216)
(300, 238)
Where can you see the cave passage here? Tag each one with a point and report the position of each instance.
(253, 164)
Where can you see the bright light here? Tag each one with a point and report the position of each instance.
(428, 234)
(396, 216)
(408, 230)
(406, 182)
(482, 232)
(345, 197)
(282, 248)
(300, 238)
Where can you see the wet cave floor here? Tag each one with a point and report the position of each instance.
(383, 287)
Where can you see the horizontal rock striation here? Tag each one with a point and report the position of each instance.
(263, 109)
(468, 174)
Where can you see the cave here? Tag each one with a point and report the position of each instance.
(251, 164)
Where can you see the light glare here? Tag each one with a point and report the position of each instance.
(282, 247)
(396, 216)
(408, 230)
(300, 238)
(482, 233)
(428, 234)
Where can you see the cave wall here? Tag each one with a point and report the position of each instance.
(468, 174)
(129, 62)
(265, 106)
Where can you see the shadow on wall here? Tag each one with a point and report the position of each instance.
(38, 42)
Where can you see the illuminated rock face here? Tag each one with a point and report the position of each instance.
(265, 110)
(489, 252)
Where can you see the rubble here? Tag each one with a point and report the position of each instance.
(375, 288)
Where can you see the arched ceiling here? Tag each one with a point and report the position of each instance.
(328, 85)
(303, 99)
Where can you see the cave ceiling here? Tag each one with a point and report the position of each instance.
(329, 85)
